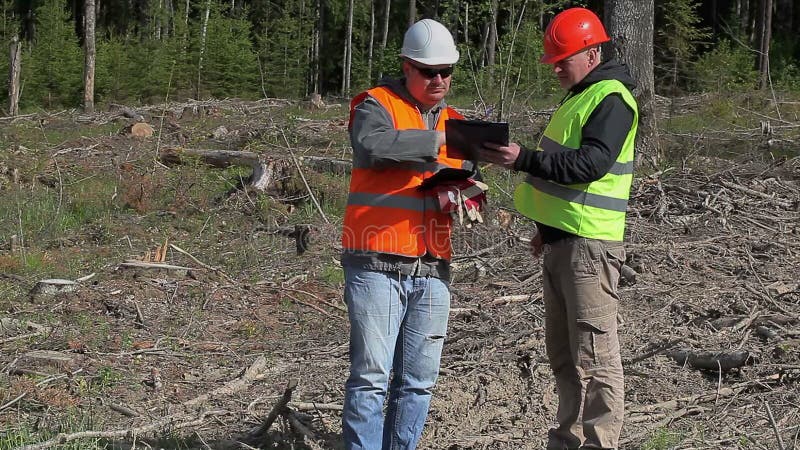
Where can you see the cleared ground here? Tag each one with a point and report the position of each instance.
(199, 356)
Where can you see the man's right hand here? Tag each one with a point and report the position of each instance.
(501, 155)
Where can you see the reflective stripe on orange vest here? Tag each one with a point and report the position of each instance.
(386, 213)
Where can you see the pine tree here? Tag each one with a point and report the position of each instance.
(676, 40)
(53, 71)
(229, 66)
(284, 50)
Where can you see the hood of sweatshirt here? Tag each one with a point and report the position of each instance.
(610, 70)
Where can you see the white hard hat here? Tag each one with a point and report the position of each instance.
(429, 42)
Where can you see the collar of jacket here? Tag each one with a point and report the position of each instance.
(612, 69)
(398, 86)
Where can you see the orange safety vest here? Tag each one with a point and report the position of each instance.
(386, 213)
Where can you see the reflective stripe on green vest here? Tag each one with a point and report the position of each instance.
(594, 210)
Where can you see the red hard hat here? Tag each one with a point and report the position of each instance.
(571, 31)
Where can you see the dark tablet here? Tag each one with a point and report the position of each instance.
(467, 136)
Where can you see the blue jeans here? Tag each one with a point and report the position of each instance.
(397, 325)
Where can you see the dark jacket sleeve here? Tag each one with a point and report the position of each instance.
(603, 136)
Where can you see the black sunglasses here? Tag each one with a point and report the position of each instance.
(429, 73)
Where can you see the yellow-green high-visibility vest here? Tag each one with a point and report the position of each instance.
(593, 210)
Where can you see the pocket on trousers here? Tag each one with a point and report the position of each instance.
(616, 256)
(433, 346)
(595, 340)
(586, 258)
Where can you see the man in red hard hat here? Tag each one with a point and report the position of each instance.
(577, 190)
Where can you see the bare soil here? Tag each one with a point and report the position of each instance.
(200, 358)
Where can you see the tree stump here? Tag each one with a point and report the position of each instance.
(139, 130)
(53, 286)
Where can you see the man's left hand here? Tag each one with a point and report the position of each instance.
(499, 154)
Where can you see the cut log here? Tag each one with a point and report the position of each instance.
(709, 360)
(127, 112)
(262, 170)
(335, 166)
(42, 359)
(627, 275)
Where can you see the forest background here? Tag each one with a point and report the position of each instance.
(151, 50)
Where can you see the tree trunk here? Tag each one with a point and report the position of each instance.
(412, 12)
(491, 44)
(315, 48)
(89, 56)
(484, 45)
(630, 25)
(168, 19)
(466, 25)
(752, 21)
(371, 40)
(202, 46)
(764, 37)
(157, 29)
(385, 34)
(13, 76)
(348, 51)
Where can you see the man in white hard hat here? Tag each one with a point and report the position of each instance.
(396, 245)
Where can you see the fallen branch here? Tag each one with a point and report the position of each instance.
(63, 438)
(655, 351)
(704, 397)
(7, 325)
(253, 373)
(314, 307)
(174, 421)
(41, 383)
(197, 261)
(278, 409)
(13, 401)
(308, 436)
(147, 265)
(774, 425)
(505, 299)
(321, 300)
(777, 201)
(314, 406)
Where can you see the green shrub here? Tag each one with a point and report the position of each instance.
(52, 72)
(662, 439)
(726, 68)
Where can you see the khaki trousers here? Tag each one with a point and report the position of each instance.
(579, 280)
